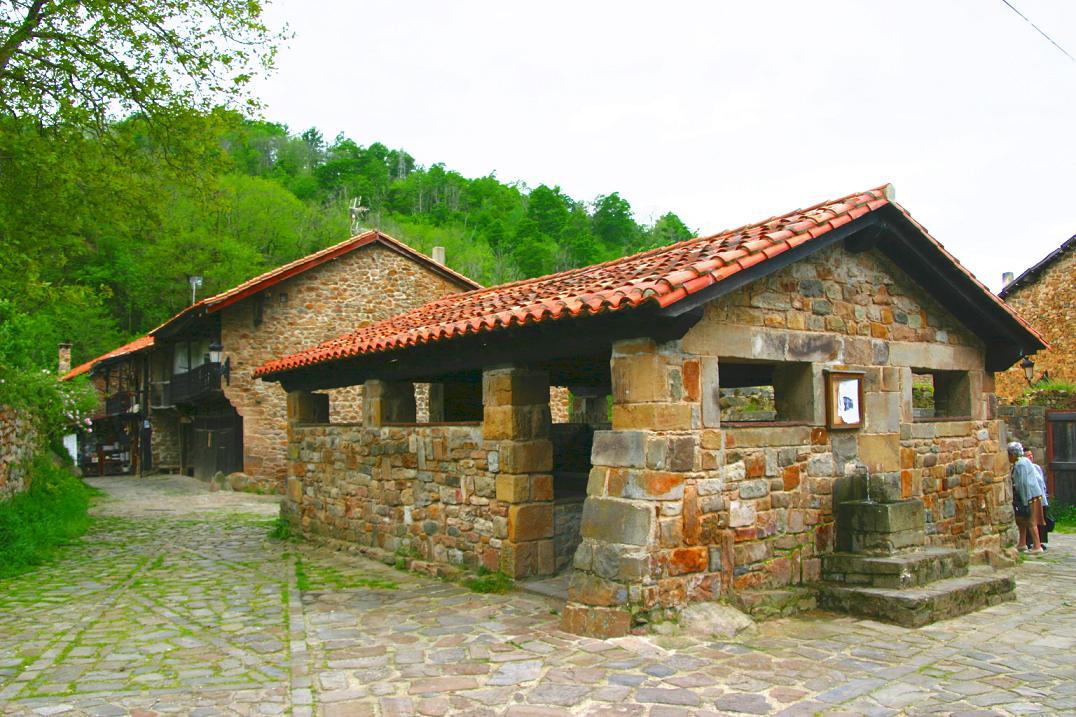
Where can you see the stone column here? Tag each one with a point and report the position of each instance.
(641, 549)
(302, 407)
(516, 414)
(388, 402)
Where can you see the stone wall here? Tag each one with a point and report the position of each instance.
(1027, 424)
(1049, 304)
(364, 286)
(19, 442)
(421, 489)
(164, 442)
(683, 506)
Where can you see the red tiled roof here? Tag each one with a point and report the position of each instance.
(258, 283)
(662, 276)
(139, 344)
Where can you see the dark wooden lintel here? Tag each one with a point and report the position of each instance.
(574, 350)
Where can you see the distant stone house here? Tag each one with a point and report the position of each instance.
(831, 310)
(190, 379)
(1046, 295)
(119, 438)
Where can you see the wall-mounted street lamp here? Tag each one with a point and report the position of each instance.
(216, 353)
(1029, 369)
(1029, 372)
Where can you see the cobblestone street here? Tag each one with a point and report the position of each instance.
(177, 602)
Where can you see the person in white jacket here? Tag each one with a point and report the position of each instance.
(1044, 533)
(1027, 498)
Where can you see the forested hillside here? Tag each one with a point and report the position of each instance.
(101, 230)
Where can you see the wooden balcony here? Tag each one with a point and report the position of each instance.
(120, 403)
(195, 384)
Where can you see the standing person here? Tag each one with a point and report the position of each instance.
(1027, 498)
(1044, 527)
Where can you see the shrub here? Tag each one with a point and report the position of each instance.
(34, 523)
(487, 581)
(1064, 517)
(1052, 394)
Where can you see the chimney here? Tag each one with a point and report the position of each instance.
(64, 362)
(439, 255)
(1006, 279)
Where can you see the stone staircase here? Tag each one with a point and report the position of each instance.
(884, 572)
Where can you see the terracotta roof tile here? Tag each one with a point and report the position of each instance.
(664, 275)
(139, 344)
(266, 280)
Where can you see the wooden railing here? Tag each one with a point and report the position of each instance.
(196, 383)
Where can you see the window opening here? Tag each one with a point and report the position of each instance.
(765, 392)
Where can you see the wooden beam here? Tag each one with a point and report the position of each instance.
(550, 344)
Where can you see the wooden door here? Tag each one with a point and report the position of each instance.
(1061, 456)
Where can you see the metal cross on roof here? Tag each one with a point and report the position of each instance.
(358, 214)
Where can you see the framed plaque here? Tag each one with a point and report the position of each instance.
(844, 399)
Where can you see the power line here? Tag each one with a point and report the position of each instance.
(1039, 30)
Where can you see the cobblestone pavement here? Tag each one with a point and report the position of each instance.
(178, 603)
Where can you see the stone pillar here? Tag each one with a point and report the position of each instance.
(63, 358)
(516, 414)
(642, 548)
(388, 402)
(436, 403)
(302, 407)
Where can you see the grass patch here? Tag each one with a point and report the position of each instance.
(280, 529)
(487, 581)
(323, 577)
(1064, 518)
(33, 524)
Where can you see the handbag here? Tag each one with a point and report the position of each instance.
(1049, 519)
(1022, 511)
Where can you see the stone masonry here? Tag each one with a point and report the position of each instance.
(1049, 303)
(682, 507)
(364, 286)
(19, 441)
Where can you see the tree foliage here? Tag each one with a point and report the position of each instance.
(100, 245)
(79, 62)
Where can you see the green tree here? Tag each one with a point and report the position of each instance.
(668, 229)
(78, 62)
(613, 223)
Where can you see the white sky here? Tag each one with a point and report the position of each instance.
(725, 112)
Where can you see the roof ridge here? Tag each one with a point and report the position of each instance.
(664, 274)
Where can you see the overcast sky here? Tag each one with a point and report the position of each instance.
(724, 112)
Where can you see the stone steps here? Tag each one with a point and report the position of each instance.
(903, 570)
(914, 607)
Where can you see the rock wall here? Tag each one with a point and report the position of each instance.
(1049, 304)
(364, 286)
(165, 439)
(1027, 424)
(684, 506)
(19, 442)
(428, 490)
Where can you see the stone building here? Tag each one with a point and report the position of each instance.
(191, 378)
(830, 310)
(1046, 295)
(119, 439)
